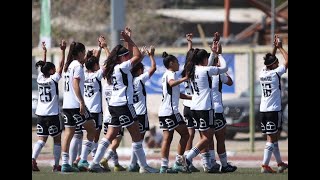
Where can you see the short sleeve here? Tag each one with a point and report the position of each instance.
(144, 77)
(170, 76)
(99, 74)
(77, 72)
(126, 66)
(224, 78)
(281, 70)
(56, 77)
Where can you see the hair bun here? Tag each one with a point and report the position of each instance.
(164, 54)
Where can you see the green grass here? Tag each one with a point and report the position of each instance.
(240, 174)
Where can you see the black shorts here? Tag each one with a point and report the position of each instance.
(143, 123)
(190, 121)
(271, 122)
(79, 129)
(72, 117)
(122, 115)
(170, 122)
(204, 119)
(49, 125)
(105, 130)
(97, 117)
(219, 121)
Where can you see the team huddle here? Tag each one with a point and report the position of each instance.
(124, 94)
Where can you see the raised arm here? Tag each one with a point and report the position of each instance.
(173, 83)
(137, 57)
(103, 44)
(44, 51)
(153, 61)
(284, 53)
(214, 48)
(127, 30)
(229, 82)
(63, 46)
(189, 40)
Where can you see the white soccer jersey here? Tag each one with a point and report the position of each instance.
(217, 82)
(270, 86)
(92, 91)
(170, 95)
(75, 70)
(107, 90)
(188, 91)
(139, 93)
(202, 84)
(48, 98)
(122, 91)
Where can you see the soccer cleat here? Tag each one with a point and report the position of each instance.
(193, 169)
(104, 164)
(282, 166)
(228, 168)
(96, 168)
(267, 169)
(68, 168)
(165, 169)
(180, 168)
(148, 169)
(214, 169)
(56, 168)
(118, 168)
(134, 168)
(83, 165)
(34, 165)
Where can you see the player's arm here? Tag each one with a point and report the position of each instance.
(284, 53)
(173, 83)
(184, 96)
(189, 40)
(137, 56)
(76, 87)
(44, 51)
(129, 46)
(63, 46)
(229, 82)
(153, 61)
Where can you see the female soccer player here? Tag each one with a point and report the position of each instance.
(270, 106)
(48, 122)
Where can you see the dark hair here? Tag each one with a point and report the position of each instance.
(269, 59)
(167, 58)
(136, 68)
(45, 67)
(91, 60)
(75, 48)
(112, 61)
(189, 53)
(197, 57)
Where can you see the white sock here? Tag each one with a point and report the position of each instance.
(133, 159)
(193, 153)
(102, 147)
(164, 162)
(73, 148)
(86, 149)
(94, 148)
(80, 147)
(212, 156)
(267, 153)
(276, 152)
(206, 159)
(138, 150)
(65, 158)
(223, 159)
(108, 154)
(37, 148)
(56, 153)
(115, 158)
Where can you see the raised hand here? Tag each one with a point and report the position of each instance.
(127, 30)
(63, 45)
(189, 37)
(44, 46)
(102, 41)
(277, 41)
